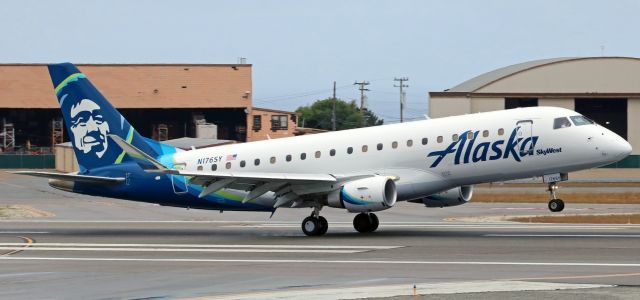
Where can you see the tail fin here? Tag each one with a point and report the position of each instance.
(89, 118)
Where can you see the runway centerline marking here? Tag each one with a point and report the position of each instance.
(228, 250)
(309, 261)
(210, 246)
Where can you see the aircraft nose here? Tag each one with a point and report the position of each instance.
(623, 147)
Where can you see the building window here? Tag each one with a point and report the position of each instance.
(510, 103)
(394, 145)
(332, 152)
(349, 150)
(279, 122)
(303, 156)
(257, 122)
(243, 163)
(214, 167)
(409, 143)
(256, 162)
(288, 157)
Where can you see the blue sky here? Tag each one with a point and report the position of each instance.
(298, 48)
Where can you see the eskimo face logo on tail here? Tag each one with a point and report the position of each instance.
(89, 128)
(467, 151)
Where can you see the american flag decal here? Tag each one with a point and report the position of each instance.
(232, 156)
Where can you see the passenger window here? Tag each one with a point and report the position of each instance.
(581, 120)
(409, 143)
(349, 150)
(561, 123)
(365, 148)
(288, 158)
(199, 168)
(318, 154)
(272, 160)
(228, 166)
(440, 139)
(501, 131)
(214, 167)
(243, 163)
(394, 145)
(332, 152)
(425, 141)
(470, 135)
(303, 156)
(256, 162)
(485, 133)
(379, 146)
(455, 137)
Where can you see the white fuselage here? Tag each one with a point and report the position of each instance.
(487, 156)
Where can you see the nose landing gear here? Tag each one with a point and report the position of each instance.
(555, 204)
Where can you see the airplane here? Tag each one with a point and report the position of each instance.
(433, 162)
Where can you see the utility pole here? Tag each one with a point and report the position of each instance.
(362, 89)
(402, 94)
(333, 111)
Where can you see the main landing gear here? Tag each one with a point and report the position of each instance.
(555, 204)
(366, 222)
(315, 224)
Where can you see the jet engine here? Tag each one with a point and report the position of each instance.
(452, 197)
(365, 195)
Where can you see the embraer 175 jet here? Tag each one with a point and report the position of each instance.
(432, 162)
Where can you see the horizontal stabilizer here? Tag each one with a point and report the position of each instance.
(137, 153)
(73, 177)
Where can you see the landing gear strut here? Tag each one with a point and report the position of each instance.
(555, 204)
(315, 224)
(366, 222)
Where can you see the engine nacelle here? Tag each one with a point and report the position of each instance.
(365, 195)
(452, 197)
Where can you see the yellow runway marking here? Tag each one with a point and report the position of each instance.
(28, 242)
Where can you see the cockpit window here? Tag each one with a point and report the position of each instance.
(561, 123)
(581, 120)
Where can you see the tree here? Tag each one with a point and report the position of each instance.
(348, 115)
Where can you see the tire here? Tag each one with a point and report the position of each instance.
(324, 225)
(374, 222)
(362, 223)
(556, 205)
(311, 226)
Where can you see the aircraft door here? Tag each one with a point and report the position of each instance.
(525, 137)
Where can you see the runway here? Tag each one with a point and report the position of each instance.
(103, 248)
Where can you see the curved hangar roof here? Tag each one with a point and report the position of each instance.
(593, 75)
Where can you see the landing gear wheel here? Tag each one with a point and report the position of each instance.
(556, 205)
(325, 225)
(311, 226)
(366, 222)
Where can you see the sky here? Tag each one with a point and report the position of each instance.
(298, 48)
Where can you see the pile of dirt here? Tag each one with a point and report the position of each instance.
(22, 212)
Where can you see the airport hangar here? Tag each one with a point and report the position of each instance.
(162, 101)
(605, 89)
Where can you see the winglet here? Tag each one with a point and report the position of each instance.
(137, 153)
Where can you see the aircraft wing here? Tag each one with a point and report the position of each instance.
(72, 177)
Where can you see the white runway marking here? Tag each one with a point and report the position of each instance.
(23, 232)
(314, 261)
(566, 235)
(464, 226)
(325, 249)
(384, 291)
